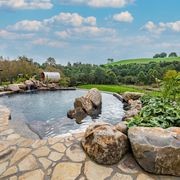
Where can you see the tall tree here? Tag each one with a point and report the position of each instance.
(51, 61)
(173, 54)
(141, 77)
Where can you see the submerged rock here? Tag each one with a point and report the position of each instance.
(104, 143)
(78, 114)
(156, 150)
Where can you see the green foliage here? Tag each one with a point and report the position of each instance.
(171, 85)
(6, 83)
(64, 82)
(157, 112)
(161, 55)
(173, 54)
(141, 77)
(136, 72)
(21, 79)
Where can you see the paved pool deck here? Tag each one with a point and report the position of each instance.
(58, 158)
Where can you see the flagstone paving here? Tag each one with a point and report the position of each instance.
(59, 158)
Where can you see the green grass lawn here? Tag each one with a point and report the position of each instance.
(145, 60)
(119, 88)
(111, 88)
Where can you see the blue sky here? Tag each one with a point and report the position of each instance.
(88, 30)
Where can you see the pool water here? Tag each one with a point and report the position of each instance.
(46, 112)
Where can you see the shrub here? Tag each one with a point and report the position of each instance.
(171, 84)
(64, 82)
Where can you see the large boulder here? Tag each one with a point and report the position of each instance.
(94, 96)
(13, 87)
(156, 150)
(90, 104)
(84, 103)
(30, 84)
(2, 88)
(131, 95)
(22, 86)
(104, 143)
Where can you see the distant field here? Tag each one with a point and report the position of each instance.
(144, 60)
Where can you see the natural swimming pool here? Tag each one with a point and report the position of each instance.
(46, 112)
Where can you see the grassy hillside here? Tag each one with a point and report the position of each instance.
(145, 60)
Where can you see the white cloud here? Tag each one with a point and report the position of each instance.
(73, 19)
(63, 34)
(12, 36)
(175, 26)
(99, 3)
(94, 31)
(26, 4)
(90, 20)
(86, 31)
(27, 25)
(108, 3)
(123, 17)
(49, 42)
(160, 27)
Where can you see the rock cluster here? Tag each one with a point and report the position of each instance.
(30, 85)
(134, 108)
(132, 104)
(131, 96)
(104, 143)
(156, 150)
(90, 104)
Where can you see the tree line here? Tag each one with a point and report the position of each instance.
(78, 73)
(164, 55)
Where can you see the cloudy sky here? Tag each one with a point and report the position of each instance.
(88, 30)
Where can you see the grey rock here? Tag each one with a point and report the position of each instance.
(156, 150)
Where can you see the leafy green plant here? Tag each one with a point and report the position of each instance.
(157, 112)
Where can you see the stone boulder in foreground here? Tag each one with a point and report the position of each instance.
(156, 150)
(90, 104)
(104, 143)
